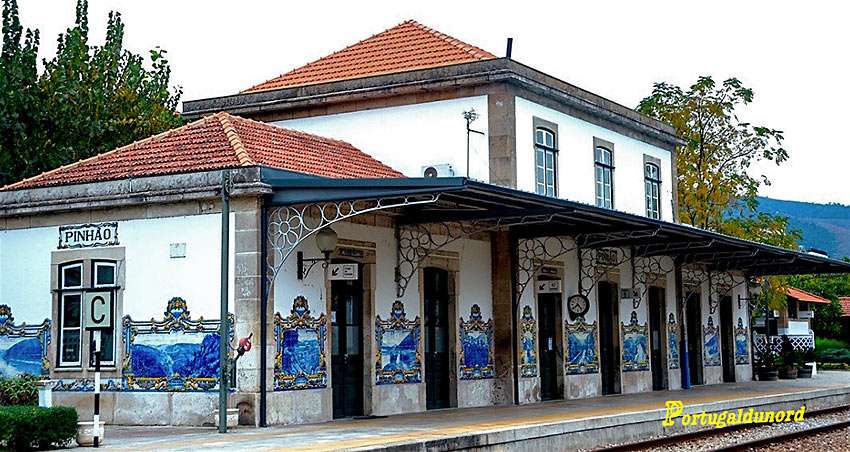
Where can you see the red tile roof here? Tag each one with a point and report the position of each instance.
(405, 47)
(802, 295)
(845, 306)
(214, 142)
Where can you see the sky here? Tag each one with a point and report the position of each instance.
(794, 55)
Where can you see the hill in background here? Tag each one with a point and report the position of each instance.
(824, 226)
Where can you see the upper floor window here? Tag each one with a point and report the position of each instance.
(604, 167)
(544, 162)
(652, 182)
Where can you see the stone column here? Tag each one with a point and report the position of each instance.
(503, 257)
(247, 289)
(501, 126)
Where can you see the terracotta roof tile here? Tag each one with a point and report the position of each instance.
(215, 142)
(407, 46)
(802, 295)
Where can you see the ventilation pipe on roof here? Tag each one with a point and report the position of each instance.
(510, 48)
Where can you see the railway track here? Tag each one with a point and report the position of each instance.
(673, 442)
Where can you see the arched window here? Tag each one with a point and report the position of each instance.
(652, 181)
(604, 167)
(544, 162)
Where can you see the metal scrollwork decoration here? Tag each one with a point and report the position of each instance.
(722, 284)
(291, 225)
(417, 242)
(533, 255)
(594, 264)
(647, 271)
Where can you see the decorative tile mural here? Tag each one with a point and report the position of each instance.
(87, 384)
(528, 336)
(672, 342)
(582, 357)
(635, 350)
(23, 348)
(173, 354)
(742, 351)
(476, 347)
(300, 361)
(397, 356)
(711, 344)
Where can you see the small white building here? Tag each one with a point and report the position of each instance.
(555, 270)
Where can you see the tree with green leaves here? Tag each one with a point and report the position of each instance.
(87, 100)
(716, 192)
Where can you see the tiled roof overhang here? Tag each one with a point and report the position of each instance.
(461, 199)
(501, 70)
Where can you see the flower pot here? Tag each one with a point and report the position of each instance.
(768, 374)
(85, 433)
(804, 371)
(788, 373)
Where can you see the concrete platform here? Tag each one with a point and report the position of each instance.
(559, 425)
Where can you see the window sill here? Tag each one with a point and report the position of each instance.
(67, 369)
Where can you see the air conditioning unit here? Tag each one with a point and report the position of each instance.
(438, 170)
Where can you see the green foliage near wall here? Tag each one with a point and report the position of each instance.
(87, 100)
(21, 390)
(32, 427)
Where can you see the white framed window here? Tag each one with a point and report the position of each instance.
(652, 183)
(545, 157)
(604, 169)
(104, 274)
(70, 314)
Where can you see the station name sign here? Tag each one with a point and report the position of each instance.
(89, 235)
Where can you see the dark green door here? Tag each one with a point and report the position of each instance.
(609, 337)
(548, 318)
(657, 336)
(436, 294)
(727, 339)
(347, 348)
(693, 311)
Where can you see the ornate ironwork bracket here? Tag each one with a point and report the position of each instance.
(645, 272)
(721, 284)
(597, 263)
(417, 242)
(291, 225)
(533, 254)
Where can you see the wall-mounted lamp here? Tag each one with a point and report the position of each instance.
(754, 298)
(326, 240)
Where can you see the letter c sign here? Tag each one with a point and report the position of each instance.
(98, 310)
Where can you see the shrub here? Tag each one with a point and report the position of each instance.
(20, 390)
(27, 427)
(823, 343)
(835, 355)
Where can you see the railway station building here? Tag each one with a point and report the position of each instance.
(415, 224)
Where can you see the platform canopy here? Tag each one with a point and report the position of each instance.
(461, 199)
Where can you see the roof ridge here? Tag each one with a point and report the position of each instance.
(235, 141)
(471, 53)
(326, 56)
(101, 155)
(474, 50)
(294, 131)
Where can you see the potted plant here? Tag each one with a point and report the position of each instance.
(766, 365)
(788, 360)
(804, 369)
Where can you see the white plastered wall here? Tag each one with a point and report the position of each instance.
(575, 166)
(411, 136)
